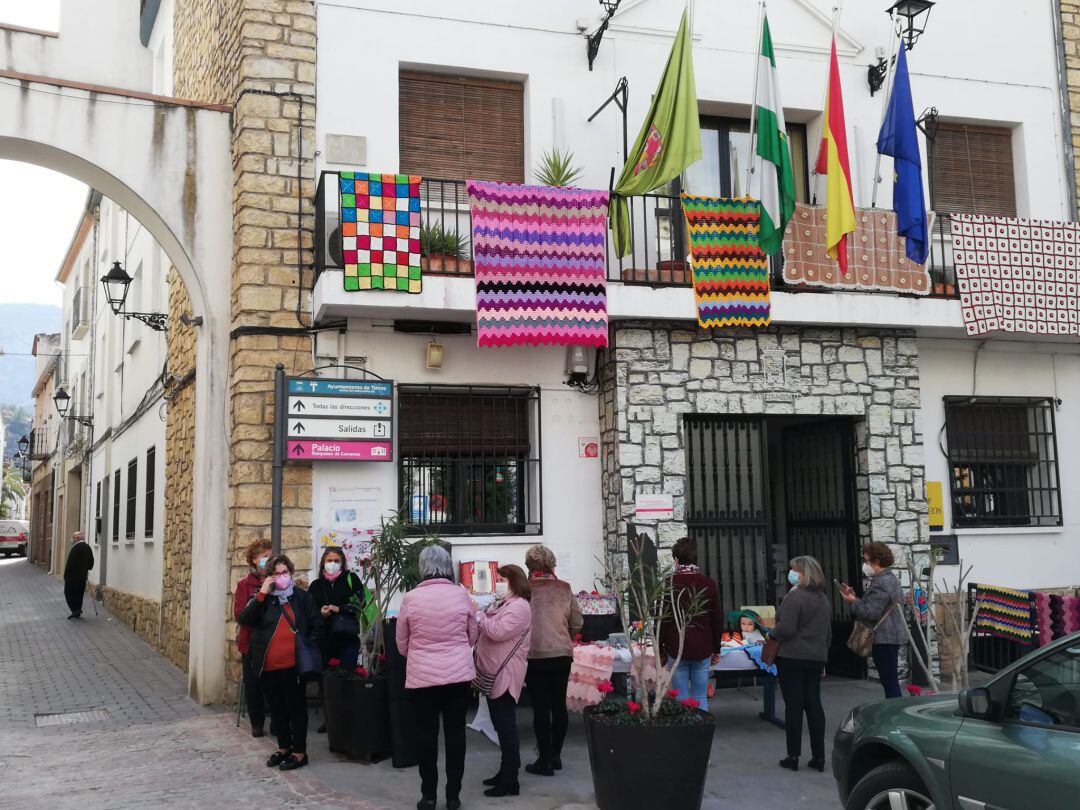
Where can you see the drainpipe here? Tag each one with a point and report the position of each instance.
(1068, 152)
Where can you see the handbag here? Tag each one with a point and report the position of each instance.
(345, 624)
(861, 640)
(483, 683)
(769, 651)
(308, 654)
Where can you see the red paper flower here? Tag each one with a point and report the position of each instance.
(633, 707)
(673, 693)
(605, 687)
(334, 662)
(577, 638)
(363, 673)
(689, 703)
(381, 658)
(914, 691)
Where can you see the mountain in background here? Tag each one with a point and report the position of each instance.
(18, 325)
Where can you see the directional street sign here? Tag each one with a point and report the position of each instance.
(338, 420)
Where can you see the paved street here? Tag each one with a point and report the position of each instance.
(154, 747)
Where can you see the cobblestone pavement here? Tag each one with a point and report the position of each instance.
(156, 748)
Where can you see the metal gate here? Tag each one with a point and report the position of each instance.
(821, 520)
(729, 513)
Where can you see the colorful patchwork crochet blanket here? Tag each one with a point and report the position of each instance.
(731, 274)
(539, 261)
(380, 231)
(1005, 612)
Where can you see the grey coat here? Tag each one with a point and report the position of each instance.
(804, 626)
(883, 592)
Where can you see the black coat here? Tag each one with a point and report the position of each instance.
(339, 592)
(262, 617)
(80, 562)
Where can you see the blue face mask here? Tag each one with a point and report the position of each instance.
(793, 578)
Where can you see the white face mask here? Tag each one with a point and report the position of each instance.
(332, 567)
(502, 588)
(867, 570)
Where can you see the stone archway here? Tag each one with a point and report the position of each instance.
(169, 163)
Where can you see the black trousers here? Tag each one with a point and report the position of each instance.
(800, 683)
(253, 695)
(546, 680)
(887, 660)
(74, 589)
(286, 694)
(503, 711)
(449, 702)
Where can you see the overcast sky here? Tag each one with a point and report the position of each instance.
(39, 209)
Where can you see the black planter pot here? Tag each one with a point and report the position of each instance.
(659, 767)
(403, 752)
(357, 716)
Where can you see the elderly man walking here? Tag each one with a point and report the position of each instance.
(79, 563)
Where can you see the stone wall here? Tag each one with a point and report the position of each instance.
(259, 56)
(1070, 31)
(140, 613)
(658, 371)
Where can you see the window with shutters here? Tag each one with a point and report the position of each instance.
(116, 506)
(470, 458)
(461, 128)
(132, 498)
(148, 498)
(1003, 462)
(973, 170)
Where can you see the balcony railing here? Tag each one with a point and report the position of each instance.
(659, 245)
(80, 312)
(41, 445)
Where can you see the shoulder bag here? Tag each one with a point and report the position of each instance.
(769, 651)
(308, 654)
(861, 640)
(483, 683)
(345, 623)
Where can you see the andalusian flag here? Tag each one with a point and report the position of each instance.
(833, 162)
(777, 178)
(669, 141)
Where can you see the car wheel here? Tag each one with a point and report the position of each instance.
(892, 786)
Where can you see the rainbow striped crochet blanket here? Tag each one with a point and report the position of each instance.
(731, 274)
(539, 259)
(1005, 612)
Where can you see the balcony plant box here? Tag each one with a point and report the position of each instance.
(357, 713)
(653, 750)
(443, 252)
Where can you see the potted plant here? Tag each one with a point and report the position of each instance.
(443, 251)
(556, 169)
(652, 751)
(357, 723)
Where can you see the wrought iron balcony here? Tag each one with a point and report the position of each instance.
(41, 445)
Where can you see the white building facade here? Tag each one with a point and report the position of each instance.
(834, 417)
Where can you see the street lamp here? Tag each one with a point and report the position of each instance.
(62, 400)
(23, 445)
(117, 282)
(911, 11)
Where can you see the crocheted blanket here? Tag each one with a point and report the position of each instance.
(1057, 616)
(731, 274)
(1005, 612)
(539, 262)
(380, 231)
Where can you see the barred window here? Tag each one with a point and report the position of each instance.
(151, 475)
(470, 458)
(116, 506)
(132, 497)
(1003, 462)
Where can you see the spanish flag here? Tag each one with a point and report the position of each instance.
(833, 163)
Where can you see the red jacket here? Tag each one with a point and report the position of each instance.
(704, 633)
(245, 590)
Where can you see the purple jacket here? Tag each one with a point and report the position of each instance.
(436, 629)
(499, 633)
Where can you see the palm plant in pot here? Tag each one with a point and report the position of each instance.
(653, 750)
(443, 250)
(360, 710)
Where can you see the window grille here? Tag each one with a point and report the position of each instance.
(116, 506)
(1002, 461)
(469, 458)
(151, 475)
(97, 513)
(132, 497)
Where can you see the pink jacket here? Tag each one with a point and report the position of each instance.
(436, 629)
(499, 632)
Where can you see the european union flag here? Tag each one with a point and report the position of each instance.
(899, 140)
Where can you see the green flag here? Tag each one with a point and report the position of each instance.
(777, 179)
(669, 141)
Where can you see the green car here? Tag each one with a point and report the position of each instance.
(1011, 745)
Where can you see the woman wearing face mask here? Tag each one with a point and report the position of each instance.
(502, 651)
(804, 630)
(881, 602)
(257, 555)
(278, 612)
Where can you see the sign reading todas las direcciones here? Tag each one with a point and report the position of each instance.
(339, 420)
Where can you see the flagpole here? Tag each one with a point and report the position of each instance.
(753, 97)
(838, 9)
(889, 76)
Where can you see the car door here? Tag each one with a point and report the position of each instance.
(1029, 757)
